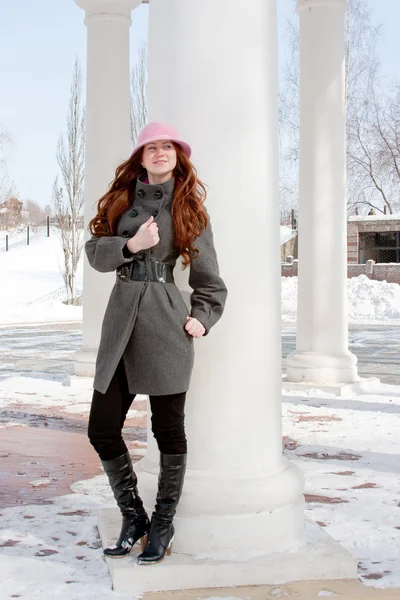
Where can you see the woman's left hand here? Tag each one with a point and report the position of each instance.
(194, 327)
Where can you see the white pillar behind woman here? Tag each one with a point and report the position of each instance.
(107, 142)
(213, 74)
(322, 354)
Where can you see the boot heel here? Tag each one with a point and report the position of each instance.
(143, 542)
(168, 551)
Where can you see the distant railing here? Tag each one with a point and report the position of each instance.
(58, 294)
(23, 236)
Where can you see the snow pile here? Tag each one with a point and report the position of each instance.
(376, 300)
(369, 301)
(289, 298)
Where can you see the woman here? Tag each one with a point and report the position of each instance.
(152, 214)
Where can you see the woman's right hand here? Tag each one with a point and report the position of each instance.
(145, 238)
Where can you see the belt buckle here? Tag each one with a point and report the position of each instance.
(124, 273)
(159, 271)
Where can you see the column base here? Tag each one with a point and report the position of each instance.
(84, 367)
(365, 384)
(85, 362)
(227, 513)
(322, 369)
(79, 383)
(315, 556)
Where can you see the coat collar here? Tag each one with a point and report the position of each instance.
(147, 192)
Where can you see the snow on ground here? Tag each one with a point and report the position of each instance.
(347, 448)
(44, 393)
(53, 550)
(369, 301)
(28, 273)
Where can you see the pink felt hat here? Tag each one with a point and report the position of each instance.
(154, 132)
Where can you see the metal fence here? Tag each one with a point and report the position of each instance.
(23, 236)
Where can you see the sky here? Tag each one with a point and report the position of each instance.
(39, 41)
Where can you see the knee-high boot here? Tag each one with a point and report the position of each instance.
(135, 522)
(170, 484)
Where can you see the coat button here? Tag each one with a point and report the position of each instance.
(158, 195)
(140, 256)
(141, 193)
(133, 213)
(155, 213)
(126, 234)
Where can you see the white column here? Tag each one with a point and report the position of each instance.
(322, 354)
(107, 142)
(213, 75)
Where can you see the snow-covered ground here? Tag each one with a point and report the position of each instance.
(27, 274)
(347, 448)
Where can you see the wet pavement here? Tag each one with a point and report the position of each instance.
(42, 351)
(47, 351)
(377, 348)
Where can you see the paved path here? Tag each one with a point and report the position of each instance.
(47, 351)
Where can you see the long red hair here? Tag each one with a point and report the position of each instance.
(189, 215)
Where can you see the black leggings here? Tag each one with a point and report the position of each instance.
(109, 410)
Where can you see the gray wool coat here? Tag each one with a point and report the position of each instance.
(144, 320)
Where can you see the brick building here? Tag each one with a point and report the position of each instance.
(373, 247)
(10, 213)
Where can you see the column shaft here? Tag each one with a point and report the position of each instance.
(213, 74)
(107, 143)
(322, 354)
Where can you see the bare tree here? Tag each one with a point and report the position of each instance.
(387, 128)
(139, 115)
(374, 153)
(289, 121)
(361, 78)
(7, 186)
(67, 200)
(36, 214)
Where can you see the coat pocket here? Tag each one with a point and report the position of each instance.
(175, 299)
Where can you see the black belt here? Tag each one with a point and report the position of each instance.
(146, 270)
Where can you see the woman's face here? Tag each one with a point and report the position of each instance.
(159, 158)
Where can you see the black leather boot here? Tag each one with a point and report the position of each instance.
(170, 484)
(135, 522)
